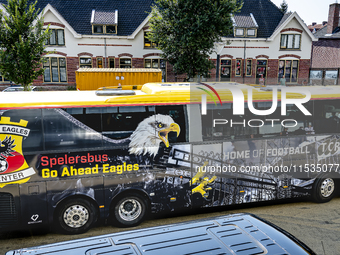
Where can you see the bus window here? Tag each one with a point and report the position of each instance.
(250, 125)
(293, 123)
(33, 142)
(91, 117)
(227, 125)
(327, 116)
(176, 112)
(120, 122)
(63, 131)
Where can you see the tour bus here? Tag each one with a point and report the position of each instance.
(73, 158)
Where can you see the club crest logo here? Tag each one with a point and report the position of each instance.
(13, 166)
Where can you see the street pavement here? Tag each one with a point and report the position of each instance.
(317, 225)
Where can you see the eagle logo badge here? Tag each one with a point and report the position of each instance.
(13, 166)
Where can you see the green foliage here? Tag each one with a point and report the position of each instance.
(186, 30)
(72, 87)
(284, 6)
(22, 42)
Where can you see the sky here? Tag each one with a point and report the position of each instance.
(309, 10)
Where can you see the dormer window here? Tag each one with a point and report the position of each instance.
(245, 32)
(251, 32)
(111, 29)
(98, 29)
(239, 32)
(104, 22)
(245, 25)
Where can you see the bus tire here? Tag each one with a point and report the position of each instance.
(324, 189)
(75, 216)
(130, 210)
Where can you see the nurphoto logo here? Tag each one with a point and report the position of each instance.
(239, 105)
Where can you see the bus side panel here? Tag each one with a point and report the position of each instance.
(10, 207)
(33, 204)
(159, 178)
(58, 191)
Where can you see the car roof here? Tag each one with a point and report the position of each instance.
(230, 234)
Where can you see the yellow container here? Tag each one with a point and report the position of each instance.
(126, 78)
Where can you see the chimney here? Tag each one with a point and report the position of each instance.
(313, 24)
(333, 18)
(324, 23)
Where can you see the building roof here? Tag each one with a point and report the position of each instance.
(244, 21)
(104, 18)
(326, 54)
(266, 14)
(132, 13)
(322, 33)
(316, 27)
(78, 13)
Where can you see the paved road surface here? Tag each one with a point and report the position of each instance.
(317, 225)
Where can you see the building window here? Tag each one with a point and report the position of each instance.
(323, 77)
(125, 63)
(147, 43)
(225, 69)
(55, 70)
(249, 65)
(85, 62)
(245, 32)
(111, 63)
(99, 62)
(261, 71)
(57, 37)
(98, 29)
(290, 41)
(331, 77)
(238, 67)
(251, 32)
(157, 64)
(104, 29)
(239, 32)
(288, 69)
(111, 29)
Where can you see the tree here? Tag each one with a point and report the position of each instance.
(186, 30)
(284, 6)
(22, 42)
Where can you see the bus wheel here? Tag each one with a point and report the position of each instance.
(324, 189)
(76, 216)
(130, 210)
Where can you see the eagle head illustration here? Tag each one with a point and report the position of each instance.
(150, 133)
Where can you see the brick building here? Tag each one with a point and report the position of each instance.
(325, 64)
(111, 33)
(316, 27)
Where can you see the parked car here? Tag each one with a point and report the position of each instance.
(15, 88)
(241, 234)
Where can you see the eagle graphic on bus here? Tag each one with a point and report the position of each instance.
(144, 140)
(150, 133)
